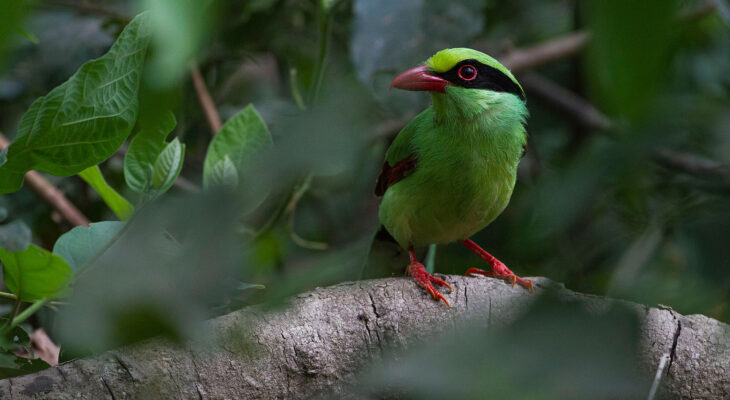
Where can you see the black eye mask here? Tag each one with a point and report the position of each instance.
(487, 77)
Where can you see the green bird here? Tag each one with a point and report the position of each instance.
(451, 171)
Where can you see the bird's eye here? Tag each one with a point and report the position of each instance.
(467, 72)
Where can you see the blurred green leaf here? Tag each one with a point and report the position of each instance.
(179, 28)
(167, 166)
(11, 13)
(15, 236)
(557, 350)
(144, 150)
(12, 365)
(242, 138)
(81, 245)
(164, 286)
(84, 120)
(35, 274)
(629, 60)
(122, 208)
(28, 35)
(224, 174)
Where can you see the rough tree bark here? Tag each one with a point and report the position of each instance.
(326, 336)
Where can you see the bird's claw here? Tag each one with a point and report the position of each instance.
(426, 281)
(504, 274)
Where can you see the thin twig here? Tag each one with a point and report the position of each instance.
(584, 113)
(291, 210)
(565, 101)
(695, 166)
(206, 100)
(51, 194)
(570, 44)
(544, 53)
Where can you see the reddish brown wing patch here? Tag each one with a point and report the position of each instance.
(390, 175)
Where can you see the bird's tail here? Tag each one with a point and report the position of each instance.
(387, 258)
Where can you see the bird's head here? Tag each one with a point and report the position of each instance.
(463, 80)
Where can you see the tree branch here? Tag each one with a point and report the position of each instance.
(326, 337)
(206, 100)
(565, 101)
(51, 194)
(555, 49)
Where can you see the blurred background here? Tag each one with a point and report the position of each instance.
(624, 191)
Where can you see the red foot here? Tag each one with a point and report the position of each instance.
(510, 277)
(499, 270)
(425, 280)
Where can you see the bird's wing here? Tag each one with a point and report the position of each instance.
(402, 158)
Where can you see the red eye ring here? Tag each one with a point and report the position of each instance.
(467, 74)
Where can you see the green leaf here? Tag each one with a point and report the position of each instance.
(84, 120)
(12, 365)
(35, 273)
(122, 208)
(626, 65)
(241, 138)
(144, 150)
(224, 174)
(81, 245)
(179, 29)
(168, 166)
(27, 34)
(15, 236)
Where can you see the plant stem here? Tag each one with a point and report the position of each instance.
(10, 296)
(295, 89)
(431, 259)
(27, 313)
(324, 33)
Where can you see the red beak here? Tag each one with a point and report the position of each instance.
(419, 79)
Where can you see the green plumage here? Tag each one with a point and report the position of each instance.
(467, 146)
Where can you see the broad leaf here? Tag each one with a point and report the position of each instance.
(81, 245)
(168, 166)
(118, 204)
(241, 138)
(144, 150)
(15, 236)
(84, 120)
(35, 273)
(224, 174)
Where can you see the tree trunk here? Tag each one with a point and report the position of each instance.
(325, 337)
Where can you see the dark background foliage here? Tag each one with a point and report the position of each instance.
(636, 207)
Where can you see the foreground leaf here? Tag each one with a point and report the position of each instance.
(84, 120)
(144, 150)
(35, 273)
(80, 245)
(118, 204)
(241, 138)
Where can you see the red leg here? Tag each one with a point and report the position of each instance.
(424, 279)
(499, 270)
